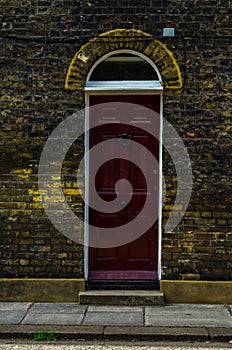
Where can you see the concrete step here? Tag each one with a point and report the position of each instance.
(121, 297)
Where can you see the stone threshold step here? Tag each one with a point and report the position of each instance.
(121, 297)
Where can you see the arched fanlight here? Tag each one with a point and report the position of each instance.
(123, 66)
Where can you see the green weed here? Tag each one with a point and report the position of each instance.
(44, 334)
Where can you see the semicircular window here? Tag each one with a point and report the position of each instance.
(123, 67)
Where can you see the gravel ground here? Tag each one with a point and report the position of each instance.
(16, 345)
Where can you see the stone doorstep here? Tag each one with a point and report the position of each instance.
(121, 297)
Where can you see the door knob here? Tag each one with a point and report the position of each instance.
(123, 204)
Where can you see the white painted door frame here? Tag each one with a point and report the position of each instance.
(122, 88)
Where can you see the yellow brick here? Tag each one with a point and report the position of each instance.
(22, 171)
(208, 84)
(54, 199)
(72, 191)
(55, 178)
(21, 205)
(190, 134)
(168, 207)
(23, 177)
(52, 185)
(37, 192)
(36, 205)
(37, 199)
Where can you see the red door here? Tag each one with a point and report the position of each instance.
(111, 123)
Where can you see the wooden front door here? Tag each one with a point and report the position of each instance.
(138, 259)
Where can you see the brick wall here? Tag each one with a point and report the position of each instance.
(39, 39)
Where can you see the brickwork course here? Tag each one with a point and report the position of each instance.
(39, 39)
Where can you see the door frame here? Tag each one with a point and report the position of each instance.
(115, 88)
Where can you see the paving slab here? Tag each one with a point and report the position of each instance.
(53, 319)
(57, 308)
(11, 317)
(4, 306)
(55, 314)
(181, 315)
(114, 318)
(74, 321)
(13, 313)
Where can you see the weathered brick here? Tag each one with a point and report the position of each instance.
(39, 40)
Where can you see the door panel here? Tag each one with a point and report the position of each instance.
(137, 259)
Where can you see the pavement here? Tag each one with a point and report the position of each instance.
(195, 322)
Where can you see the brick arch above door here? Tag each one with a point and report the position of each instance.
(123, 39)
